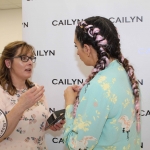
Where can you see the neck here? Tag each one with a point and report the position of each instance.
(111, 59)
(18, 83)
(93, 57)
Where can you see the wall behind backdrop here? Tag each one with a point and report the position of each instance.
(49, 26)
(10, 26)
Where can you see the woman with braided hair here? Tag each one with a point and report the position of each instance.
(103, 114)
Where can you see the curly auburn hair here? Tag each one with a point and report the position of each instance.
(9, 52)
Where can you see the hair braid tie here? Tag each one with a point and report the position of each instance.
(122, 59)
(102, 65)
(106, 60)
(99, 38)
(88, 26)
(81, 23)
(95, 70)
(137, 106)
(130, 72)
(136, 92)
(103, 42)
(90, 31)
(96, 30)
(134, 85)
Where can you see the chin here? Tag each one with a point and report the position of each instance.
(87, 64)
(27, 77)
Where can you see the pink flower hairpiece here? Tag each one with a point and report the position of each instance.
(91, 31)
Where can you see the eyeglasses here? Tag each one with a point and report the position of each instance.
(25, 58)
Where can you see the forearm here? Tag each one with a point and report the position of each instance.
(68, 125)
(13, 118)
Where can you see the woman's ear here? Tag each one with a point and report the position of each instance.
(87, 49)
(8, 63)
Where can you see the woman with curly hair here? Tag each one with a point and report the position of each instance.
(23, 103)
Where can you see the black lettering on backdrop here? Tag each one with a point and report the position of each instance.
(126, 19)
(113, 19)
(45, 52)
(67, 81)
(56, 140)
(142, 145)
(140, 81)
(25, 24)
(145, 113)
(51, 110)
(65, 22)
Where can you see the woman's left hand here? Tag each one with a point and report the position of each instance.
(58, 125)
(70, 95)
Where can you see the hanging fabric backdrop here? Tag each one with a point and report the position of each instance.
(49, 26)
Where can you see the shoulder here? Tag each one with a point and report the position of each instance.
(2, 91)
(112, 73)
(36, 84)
(114, 67)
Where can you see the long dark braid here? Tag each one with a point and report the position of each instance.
(116, 53)
(102, 35)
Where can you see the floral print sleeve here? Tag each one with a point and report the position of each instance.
(84, 131)
(105, 117)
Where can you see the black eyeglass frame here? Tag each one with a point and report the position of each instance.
(33, 59)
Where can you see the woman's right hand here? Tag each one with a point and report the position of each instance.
(30, 97)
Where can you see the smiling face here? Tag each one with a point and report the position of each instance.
(20, 70)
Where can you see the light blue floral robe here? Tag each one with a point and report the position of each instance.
(105, 118)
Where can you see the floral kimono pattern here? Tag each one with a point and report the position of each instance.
(105, 117)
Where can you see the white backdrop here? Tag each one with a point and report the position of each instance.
(49, 26)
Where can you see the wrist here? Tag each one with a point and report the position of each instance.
(70, 102)
(67, 104)
(19, 107)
